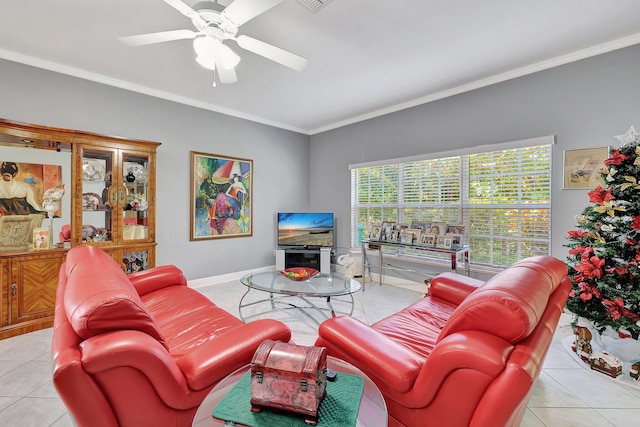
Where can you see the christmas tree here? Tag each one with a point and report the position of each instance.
(604, 255)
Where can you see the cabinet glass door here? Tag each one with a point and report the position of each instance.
(98, 196)
(136, 260)
(135, 206)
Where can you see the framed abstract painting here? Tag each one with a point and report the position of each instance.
(221, 196)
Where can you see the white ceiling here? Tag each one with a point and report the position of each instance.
(366, 57)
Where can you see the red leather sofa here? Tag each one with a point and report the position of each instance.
(142, 349)
(468, 354)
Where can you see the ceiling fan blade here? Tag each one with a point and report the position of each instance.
(226, 75)
(181, 7)
(281, 56)
(151, 38)
(241, 11)
(186, 10)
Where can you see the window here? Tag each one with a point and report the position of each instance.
(503, 197)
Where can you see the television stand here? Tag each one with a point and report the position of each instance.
(304, 257)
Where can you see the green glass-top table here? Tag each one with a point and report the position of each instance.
(303, 295)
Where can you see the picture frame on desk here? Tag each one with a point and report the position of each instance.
(385, 231)
(375, 233)
(437, 228)
(394, 236)
(415, 235)
(400, 227)
(456, 240)
(428, 239)
(421, 225)
(444, 242)
(406, 238)
(456, 229)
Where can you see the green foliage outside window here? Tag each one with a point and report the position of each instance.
(503, 198)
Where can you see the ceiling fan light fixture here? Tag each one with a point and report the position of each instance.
(205, 48)
(208, 48)
(206, 61)
(229, 58)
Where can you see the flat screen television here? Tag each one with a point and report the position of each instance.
(308, 229)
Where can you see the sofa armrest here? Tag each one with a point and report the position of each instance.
(480, 355)
(213, 360)
(138, 351)
(371, 351)
(453, 287)
(157, 278)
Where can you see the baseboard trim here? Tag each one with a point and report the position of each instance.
(224, 278)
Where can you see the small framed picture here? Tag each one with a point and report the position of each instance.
(428, 239)
(456, 240)
(393, 236)
(582, 167)
(421, 225)
(41, 238)
(415, 234)
(406, 238)
(400, 227)
(375, 232)
(438, 228)
(455, 229)
(444, 242)
(385, 231)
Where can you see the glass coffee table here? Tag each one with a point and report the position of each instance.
(303, 295)
(371, 413)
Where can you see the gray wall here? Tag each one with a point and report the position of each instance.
(281, 178)
(584, 104)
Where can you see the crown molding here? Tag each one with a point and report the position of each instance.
(509, 75)
(498, 78)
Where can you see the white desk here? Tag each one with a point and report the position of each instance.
(455, 255)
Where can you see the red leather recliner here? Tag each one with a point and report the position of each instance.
(142, 349)
(466, 355)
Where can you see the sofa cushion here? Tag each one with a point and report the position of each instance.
(99, 297)
(418, 326)
(511, 303)
(187, 318)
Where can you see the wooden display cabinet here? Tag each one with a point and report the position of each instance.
(29, 283)
(109, 209)
(115, 207)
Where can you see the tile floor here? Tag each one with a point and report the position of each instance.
(567, 393)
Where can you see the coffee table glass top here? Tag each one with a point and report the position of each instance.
(322, 285)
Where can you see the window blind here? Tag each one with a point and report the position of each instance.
(503, 197)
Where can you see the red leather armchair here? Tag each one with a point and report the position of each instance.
(466, 355)
(142, 349)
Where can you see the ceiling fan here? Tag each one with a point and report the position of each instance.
(214, 24)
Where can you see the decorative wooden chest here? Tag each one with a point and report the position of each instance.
(289, 377)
